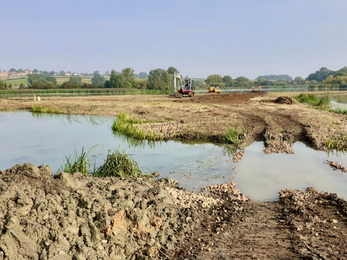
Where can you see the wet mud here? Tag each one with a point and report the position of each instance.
(63, 216)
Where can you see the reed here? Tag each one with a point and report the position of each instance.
(80, 163)
(119, 164)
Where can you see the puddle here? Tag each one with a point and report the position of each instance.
(261, 176)
(47, 139)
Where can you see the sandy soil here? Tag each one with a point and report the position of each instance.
(46, 216)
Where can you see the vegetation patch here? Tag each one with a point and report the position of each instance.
(49, 110)
(119, 164)
(80, 163)
(127, 125)
(232, 136)
(313, 100)
(338, 143)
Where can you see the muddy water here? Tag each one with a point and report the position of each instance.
(47, 139)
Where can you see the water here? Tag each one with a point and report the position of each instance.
(47, 139)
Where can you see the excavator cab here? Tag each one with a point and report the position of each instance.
(183, 86)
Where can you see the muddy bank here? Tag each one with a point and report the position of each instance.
(274, 118)
(46, 216)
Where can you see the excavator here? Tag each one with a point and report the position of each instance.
(183, 86)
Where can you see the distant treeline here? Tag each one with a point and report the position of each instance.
(161, 79)
(276, 77)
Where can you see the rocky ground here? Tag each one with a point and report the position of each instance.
(46, 216)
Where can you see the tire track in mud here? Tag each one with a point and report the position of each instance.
(278, 130)
(260, 234)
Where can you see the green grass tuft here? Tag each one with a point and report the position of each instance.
(232, 136)
(80, 163)
(119, 164)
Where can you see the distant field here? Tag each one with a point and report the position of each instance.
(62, 79)
(16, 81)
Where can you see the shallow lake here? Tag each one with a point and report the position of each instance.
(47, 139)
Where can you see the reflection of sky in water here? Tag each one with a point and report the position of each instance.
(262, 176)
(47, 139)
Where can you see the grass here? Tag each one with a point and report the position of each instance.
(42, 109)
(338, 143)
(17, 81)
(338, 111)
(311, 99)
(127, 125)
(232, 136)
(80, 163)
(117, 164)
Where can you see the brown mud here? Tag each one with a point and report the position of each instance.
(46, 216)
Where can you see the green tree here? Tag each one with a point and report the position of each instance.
(298, 81)
(243, 82)
(228, 81)
(143, 75)
(98, 80)
(75, 79)
(96, 72)
(214, 79)
(35, 70)
(159, 79)
(52, 73)
(12, 70)
(62, 73)
(172, 70)
(320, 75)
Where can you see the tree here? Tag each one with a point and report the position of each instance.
(96, 72)
(159, 79)
(41, 78)
(35, 70)
(172, 70)
(62, 73)
(228, 81)
(298, 81)
(98, 80)
(143, 75)
(52, 73)
(213, 79)
(12, 70)
(75, 79)
(242, 82)
(320, 75)
(107, 73)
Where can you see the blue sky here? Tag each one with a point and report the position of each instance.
(199, 37)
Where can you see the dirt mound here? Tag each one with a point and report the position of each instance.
(284, 100)
(223, 98)
(63, 216)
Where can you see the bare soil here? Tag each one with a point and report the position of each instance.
(46, 216)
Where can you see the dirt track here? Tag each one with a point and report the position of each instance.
(77, 217)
